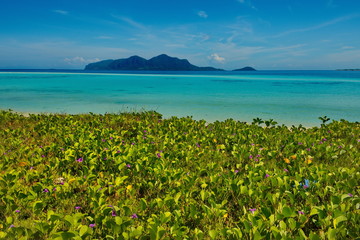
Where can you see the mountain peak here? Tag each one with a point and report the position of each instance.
(162, 62)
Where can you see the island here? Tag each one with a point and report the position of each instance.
(162, 62)
(245, 69)
(349, 69)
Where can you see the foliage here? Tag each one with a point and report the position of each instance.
(138, 176)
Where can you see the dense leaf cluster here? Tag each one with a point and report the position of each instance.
(138, 176)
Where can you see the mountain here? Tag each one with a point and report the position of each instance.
(160, 63)
(245, 69)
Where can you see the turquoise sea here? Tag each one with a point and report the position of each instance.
(289, 97)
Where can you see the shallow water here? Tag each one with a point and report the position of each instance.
(289, 97)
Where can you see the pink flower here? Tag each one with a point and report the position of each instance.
(80, 160)
(286, 170)
(134, 216)
(301, 212)
(92, 225)
(252, 210)
(267, 175)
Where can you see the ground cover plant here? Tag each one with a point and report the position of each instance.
(138, 176)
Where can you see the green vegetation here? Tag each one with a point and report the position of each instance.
(137, 176)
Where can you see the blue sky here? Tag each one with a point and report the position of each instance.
(229, 34)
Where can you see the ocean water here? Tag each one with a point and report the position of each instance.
(288, 97)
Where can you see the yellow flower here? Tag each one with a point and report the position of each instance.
(225, 215)
(293, 157)
(308, 161)
(215, 141)
(129, 187)
(72, 180)
(287, 160)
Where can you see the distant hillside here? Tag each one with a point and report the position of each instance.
(160, 63)
(245, 69)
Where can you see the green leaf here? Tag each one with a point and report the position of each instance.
(9, 220)
(212, 234)
(287, 212)
(283, 225)
(83, 230)
(339, 219)
(331, 233)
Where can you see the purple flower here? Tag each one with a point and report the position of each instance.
(11, 226)
(258, 155)
(305, 186)
(340, 147)
(197, 144)
(92, 225)
(252, 210)
(267, 175)
(128, 165)
(253, 144)
(134, 216)
(158, 155)
(31, 168)
(350, 195)
(103, 140)
(111, 138)
(286, 170)
(236, 171)
(54, 189)
(113, 213)
(77, 207)
(308, 149)
(118, 151)
(250, 156)
(324, 139)
(42, 156)
(320, 142)
(300, 143)
(80, 160)
(145, 131)
(301, 212)
(46, 190)
(105, 158)
(40, 146)
(132, 143)
(17, 210)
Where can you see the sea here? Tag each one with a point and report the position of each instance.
(287, 97)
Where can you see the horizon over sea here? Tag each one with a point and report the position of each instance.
(289, 97)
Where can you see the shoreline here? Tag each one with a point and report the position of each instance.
(278, 122)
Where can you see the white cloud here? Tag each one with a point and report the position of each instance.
(347, 47)
(80, 60)
(61, 12)
(241, 1)
(319, 26)
(131, 22)
(216, 57)
(202, 14)
(104, 37)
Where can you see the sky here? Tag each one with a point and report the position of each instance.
(228, 34)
